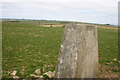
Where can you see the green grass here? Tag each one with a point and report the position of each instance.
(108, 46)
(27, 47)
(30, 47)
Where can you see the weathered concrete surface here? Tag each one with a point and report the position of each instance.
(78, 56)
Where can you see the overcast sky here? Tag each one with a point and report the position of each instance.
(92, 11)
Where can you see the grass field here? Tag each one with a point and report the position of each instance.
(27, 47)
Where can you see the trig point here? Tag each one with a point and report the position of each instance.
(78, 57)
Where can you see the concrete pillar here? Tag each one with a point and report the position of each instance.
(78, 57)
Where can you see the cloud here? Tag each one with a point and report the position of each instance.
(101, 5)
(62, 9)
(109, 6)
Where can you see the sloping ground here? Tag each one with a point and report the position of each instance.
(52, 25)
(27, 47)
(109, 27)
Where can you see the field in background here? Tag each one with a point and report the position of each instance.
(27, 46)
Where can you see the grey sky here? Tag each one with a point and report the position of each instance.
(93, 11)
